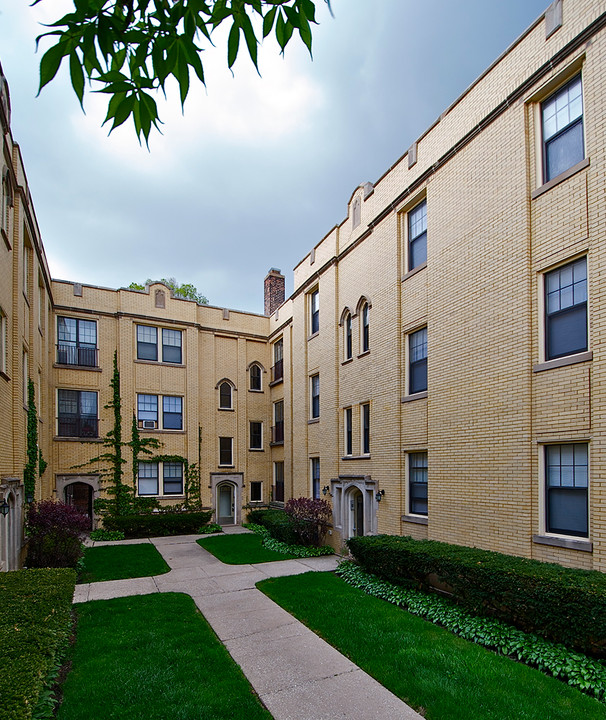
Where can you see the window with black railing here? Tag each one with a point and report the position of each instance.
(278, 494)
(77, 342)
(277, 430)
(277, 371)
(77, 414)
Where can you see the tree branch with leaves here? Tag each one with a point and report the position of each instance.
(128, 49)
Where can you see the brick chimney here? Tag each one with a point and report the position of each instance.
(274, 290)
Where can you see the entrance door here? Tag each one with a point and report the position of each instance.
(80, 495)
(226, 504)
(356, 505)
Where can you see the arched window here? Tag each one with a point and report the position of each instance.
(225, 395)
(348, 342)
(364, 329)
(255, 377)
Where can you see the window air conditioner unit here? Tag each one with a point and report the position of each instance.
(149, 424)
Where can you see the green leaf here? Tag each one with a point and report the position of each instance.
(77, 76)
(51, 62)
(268, 21)
(233, 44)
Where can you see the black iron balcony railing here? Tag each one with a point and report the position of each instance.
(277, 433)
(78, 427)
(73, 355)
(277, 371)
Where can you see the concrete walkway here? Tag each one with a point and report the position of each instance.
(297, 675)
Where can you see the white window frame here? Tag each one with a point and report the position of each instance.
(313, 462)
(159, 345)
(160, 413)
(231, 394)
(348, 432)
(313, 415)
(259, 367)
(408, 493)
(250, 445)
(231, 451)
(160, 479)
(3, 342)
(260, 484)
(314, 311)
(364, 408)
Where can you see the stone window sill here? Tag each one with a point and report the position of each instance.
(414, 396)
(58, 438)
(65, 366)
(560, 178)
(414, 271)
(356, 457)
(416, 519)
(570, 543)
(313, 420)
(158, 362)
(563, 361)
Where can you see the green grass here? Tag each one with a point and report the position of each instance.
(117, 562)
(431, 669)
(152, 657)
(241, 549)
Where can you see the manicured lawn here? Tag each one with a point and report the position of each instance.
(423, 664)
(116, 562)
(242, 549)
(152, 657)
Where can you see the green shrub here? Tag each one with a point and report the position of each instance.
(277, 522)
(103, 534)
(158, 524)
(54, 530)
(34, 631)
(561, 604)
(210, 529)
(310, 518)
(299, 551)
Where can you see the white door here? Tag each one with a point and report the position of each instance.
(226, 504)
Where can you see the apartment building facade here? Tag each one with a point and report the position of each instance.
(437, 371)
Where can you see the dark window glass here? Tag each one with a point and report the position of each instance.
(365, 329)
(277, 371)
(417, 483)
(172, 413)
(278, 429)
(365, 429)
(255, 377)
(256, 491)
(225, 451)
(315, 478)
(562, 116)
(171, 346)
(315, 311)
(147, 408)
(77, 413)
(256, 435)
(567, 482)
(279, 481)
(417, 235)
(148, 478)
(77, 342)
(225, 396)
(348, 432)
(147, 343)
(566, 310)
(315, 396)
(348, 338)
(173, 478)
(418, 361)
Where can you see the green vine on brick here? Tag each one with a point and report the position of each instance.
(33, 453)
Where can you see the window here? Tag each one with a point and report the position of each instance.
(77, 413)
(315, 478)
(348, 432)
(256, 491)
(314, 312)
(172, 412)
(315, 396)
(365, 329)
(365, 429)
(77, 342)
(562, 118)
(256, 436)
(567, 482)
(226, 455)
(225, 396)
(348, 338)
(255, 377)
(3, 341)
(417, 381)
(41, 306)
(417, 235)
(171, 346)
(277, 370)
(566, 310)
(25, 369)
(172, 478)
(278, 428)
(417, 483)
(27, 253)
(279, 481)
(147, 344)
(7, 202)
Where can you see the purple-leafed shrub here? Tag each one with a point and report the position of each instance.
(310, 518)
(54, 530)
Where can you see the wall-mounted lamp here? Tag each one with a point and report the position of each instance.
(379, 495)
(29, 498)
(4, 508)
(325, 490)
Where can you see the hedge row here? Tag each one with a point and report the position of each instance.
(277, 522)
(561, 604)
(34, 631)
(158, 524)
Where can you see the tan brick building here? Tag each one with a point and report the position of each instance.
(438, 369)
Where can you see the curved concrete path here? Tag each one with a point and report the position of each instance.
(297, 675)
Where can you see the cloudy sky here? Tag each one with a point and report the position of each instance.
(258, 169)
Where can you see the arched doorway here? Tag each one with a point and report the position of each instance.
(80, 495)
(226, 503)
(356, 509)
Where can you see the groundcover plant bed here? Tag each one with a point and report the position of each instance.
(441, 675)
(241, 549)
(152, 657)
(116, 562)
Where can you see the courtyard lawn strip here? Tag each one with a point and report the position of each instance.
(241, 549)
(429, 668)
(118, 562)
(152, 657)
